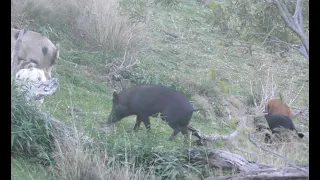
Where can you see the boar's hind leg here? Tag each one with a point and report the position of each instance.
(175, 132)
(184, 131)
(137, 125)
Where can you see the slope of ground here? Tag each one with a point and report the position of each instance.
(180, 50)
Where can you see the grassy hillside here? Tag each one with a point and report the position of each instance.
(150, 42)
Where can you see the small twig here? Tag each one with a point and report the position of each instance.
(174, 23)
(125, 51)
(212, 137)
(290, 87)
(170, 34)
(268, 35)
(252, 153)
(291, 101)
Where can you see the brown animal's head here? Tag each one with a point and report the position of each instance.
(119, 109)
(275, 105)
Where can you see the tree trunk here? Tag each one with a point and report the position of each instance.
(295, 23)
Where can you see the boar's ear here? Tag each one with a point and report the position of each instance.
(115, 97)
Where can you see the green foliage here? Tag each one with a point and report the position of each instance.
(281, 97)
(247, 130)
(135, 9)
(22, 168)
(148, 152)
(212, 4)
(30, 132)
(224, 86)
(167, 3)
(232, 122)
(253, 20)
(147, 79)
(212, 73)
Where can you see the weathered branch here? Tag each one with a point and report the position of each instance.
(295, 23)
(298, 14)
(246, 169)
(212, 137)
(283, 175)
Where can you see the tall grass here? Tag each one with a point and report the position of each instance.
(30, 132)
(75, 161)
(95, 23)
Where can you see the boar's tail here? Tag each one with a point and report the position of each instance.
(203, 112)
(300, 134)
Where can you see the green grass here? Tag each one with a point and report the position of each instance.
(24, 169)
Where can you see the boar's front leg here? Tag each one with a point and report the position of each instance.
(146, 121)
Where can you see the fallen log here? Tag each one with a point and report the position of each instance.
(234, 134)
(245, 169)
(268, 175)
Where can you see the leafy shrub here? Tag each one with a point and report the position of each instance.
(30, 132)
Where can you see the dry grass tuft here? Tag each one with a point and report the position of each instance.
(288, 145)
(204, 103)
(94, 23)
(76, 161)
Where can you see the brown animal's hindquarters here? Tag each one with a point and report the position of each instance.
(275, 105)
(37, 49)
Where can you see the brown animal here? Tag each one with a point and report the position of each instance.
(276, 106)
(37, 49)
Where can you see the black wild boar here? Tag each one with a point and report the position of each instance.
(277, 120)
(148, 100)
